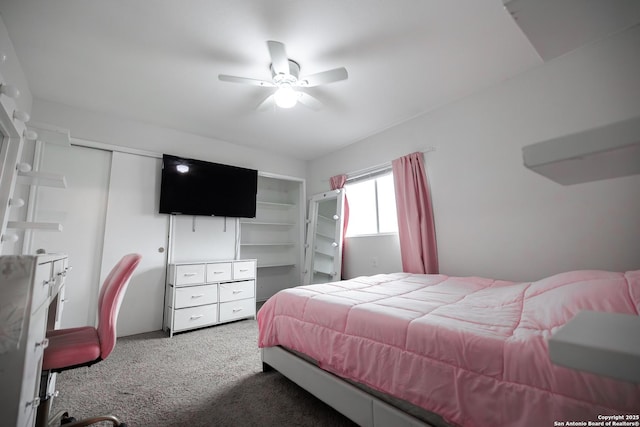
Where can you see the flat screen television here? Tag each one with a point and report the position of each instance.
(196, 187)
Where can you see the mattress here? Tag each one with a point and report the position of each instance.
(473, 350)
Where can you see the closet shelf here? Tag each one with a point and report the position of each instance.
(277, 224)
(269, 244)
(44, 179)
(276, 204)
(44, 226)
(273, 265)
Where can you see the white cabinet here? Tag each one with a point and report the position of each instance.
(29, 305)
(275, 236)
(207, 293)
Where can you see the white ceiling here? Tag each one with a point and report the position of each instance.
(158, 61)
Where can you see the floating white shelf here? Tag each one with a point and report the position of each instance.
(599, 342)
(44, 226)
(44, 179)
(609, 151)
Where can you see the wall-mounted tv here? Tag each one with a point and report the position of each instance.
(196, 187)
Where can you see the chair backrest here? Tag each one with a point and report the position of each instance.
(111, 295)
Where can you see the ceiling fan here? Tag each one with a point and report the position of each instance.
(285, 77)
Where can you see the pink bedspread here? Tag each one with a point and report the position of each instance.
(470, 349)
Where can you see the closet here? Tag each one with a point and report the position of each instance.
(275, 236)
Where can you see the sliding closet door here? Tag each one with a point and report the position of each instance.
(134, 225)
(80, 208)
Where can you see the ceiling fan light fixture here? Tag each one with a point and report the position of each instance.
(286, 97)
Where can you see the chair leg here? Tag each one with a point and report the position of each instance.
(88, 421)
(42, 415)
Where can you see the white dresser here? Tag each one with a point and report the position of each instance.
(207, 293)
(30, 303)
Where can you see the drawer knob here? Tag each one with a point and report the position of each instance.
(197, 296)
(235, 310)
(237, 291)
(244, 270)
(196, 316)
(189, 274)
(218, 272)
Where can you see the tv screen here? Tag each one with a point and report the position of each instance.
(196, 187)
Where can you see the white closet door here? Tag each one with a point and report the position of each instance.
(80, 208)
(134, 225)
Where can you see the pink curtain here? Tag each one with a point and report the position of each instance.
(337, 182)
(416, 227)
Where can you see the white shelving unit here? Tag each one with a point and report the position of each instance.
(275, 236)
(13, 131)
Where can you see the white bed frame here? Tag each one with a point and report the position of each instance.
(362, 408)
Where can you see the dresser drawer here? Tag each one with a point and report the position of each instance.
(194, 317)
(218, 272)
(189, 274)
(190, 296)
(42, 285)
(244, 270)
(237, 290)
(237, 309)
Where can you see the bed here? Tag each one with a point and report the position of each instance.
(413, 349)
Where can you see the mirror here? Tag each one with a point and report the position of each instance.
(323, 249)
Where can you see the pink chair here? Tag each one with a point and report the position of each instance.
(76, 347)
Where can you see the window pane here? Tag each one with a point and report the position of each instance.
(362, 208)
(387, 205)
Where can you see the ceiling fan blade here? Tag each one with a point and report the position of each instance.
(279, 60)
(309, 101)
(267, 104)
(245, 80)
(324, 77)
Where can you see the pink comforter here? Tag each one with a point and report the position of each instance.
(472, 350)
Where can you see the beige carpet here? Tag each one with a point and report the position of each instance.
(207, 377)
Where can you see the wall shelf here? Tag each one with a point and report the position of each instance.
(43, 179)
(605, 152)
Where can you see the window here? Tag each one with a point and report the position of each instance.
(372, 206)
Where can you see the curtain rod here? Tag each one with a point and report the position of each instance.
(378, 168)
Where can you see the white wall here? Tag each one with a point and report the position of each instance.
(128, 133)
(364, 257)
(493, 216)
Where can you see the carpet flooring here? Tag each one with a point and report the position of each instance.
(207, 377)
